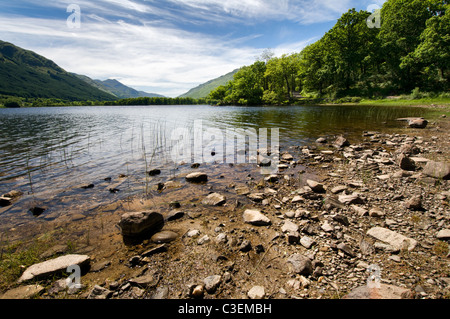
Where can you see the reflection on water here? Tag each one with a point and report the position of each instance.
(48, 152)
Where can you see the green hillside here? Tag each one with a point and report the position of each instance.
(203, 90)
(26, 74)
(122, 91)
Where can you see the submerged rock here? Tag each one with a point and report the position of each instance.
(197, 177)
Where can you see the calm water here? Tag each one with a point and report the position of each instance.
(48, 152)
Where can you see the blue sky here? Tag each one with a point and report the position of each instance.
(169, 46)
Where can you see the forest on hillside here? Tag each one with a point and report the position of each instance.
(408, 52)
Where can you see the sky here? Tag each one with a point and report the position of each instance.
(168, 46)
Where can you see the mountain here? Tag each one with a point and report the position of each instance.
(24, 73)
(203, 90)
(122, 91)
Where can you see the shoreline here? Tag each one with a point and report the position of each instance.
(331, 235)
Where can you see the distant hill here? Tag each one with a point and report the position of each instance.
(122, 91)
(203, 90)
(24, 73)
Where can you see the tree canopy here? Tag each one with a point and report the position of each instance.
(410, 50)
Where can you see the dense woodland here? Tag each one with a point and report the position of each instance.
(408, 53)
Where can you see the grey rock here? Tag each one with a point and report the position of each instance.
(359, 210)
(23, 292)
(161, 293)
(321, 140)
(418, 123)
(212, 283)
(54, 266)
(256, 218)
(166, 236)
(440, 170)
(100, 266)
(443, 234)
(316, 186)
(146, 281)
(300, 264)
(289, 226)
(245, 246)
(174, 215)
(346, 249)
(383, 292)
(257, 292)
(214, 199)
(99, 292)
(350, 199)
(339, 189)
(55, 250)
(341, 142)
(392, 238)
(414, 203)
(307, 242)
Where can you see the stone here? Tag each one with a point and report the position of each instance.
(197, 177)
(23, 292)
(350, 199)
(193, 233)
(256, 218)
(12, 194)
(174, 215)
(257, 292)
(4, 202)
(289, 226)
(55, 250)
(359, 210)
(242, 190)
(287, 157)
(300, 264)
(156, 250)
(271, 178)
(307, 242)
(99, 292)
(54, 266)
(256, 197)
(197, 291)
(321, 140)
(154, 172)
(212, 283)
(316, 186)
(293, 237)
(443, 234)
(161, 293)
(326, 227)
(166, 236)
(214, 199)
(205, 239)
(406, 163)
(341, 219)
(140, 224)
(145, 281)
(100, 266)
(414, 203)
(346, 249)
(383, 292)
(376, 212)
(341, 142)
(418, 123)
(396, 240)
(439, 170)
(297, 199)
(245, 246)
(339, 189)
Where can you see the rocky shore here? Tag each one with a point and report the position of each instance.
(341, 219)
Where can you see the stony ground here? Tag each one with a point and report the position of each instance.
(320, 228)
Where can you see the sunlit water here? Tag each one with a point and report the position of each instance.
(49, 153)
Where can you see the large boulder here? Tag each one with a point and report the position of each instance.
(140, 225)
(54, 266)
(396, 240)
